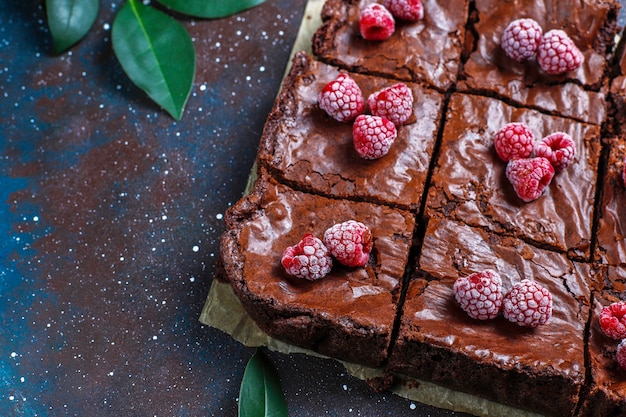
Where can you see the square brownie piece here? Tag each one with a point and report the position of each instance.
(347, 315)
(611, 243)
(540, 369)
(606, 395)
(578, 94)
(469, 183)
(428, 50)
(303, 146)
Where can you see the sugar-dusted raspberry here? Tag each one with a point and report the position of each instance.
(557, 53)
(620, 354)
(521, 39)
(410, 10)
(309, 259)
(394, 103)
(558, 148)
(376, 23)
(624, 171)
(529, 176)
(342, 98)
(373, 136)
(527, 304)
(349, 242)
(515, 140)
(479, 294)
(613, 320)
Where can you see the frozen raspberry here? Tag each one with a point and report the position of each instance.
(410, 10)
(557, 53)
(342, 99)
(558, 148)
(613, 320)
(527, 304)
(521, 39)
(373, 136)
(376, 23)
(515, 140)
(479, 294)
(349, 242)
(620, 354)
(529, 176)
(309, 259)
(394, 103)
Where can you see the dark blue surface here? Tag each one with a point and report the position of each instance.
(111, 213)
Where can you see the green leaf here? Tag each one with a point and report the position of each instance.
(210, 9)
(70, 20)
(261, 394)
(157, 54)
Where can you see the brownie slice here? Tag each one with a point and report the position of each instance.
(611, 243)
(469, 182)
(578, 94)
(347, 315)
(540, 369)
(428, 50)
(606, 395)
(303, 146)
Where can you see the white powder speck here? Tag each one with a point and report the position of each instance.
(203, 87)
(106, 26)
(35, 218)
(13, 354)
(219, 216)
(412, 406)
(345, 387)
(262, 69)
(196, 248)
(155, 337)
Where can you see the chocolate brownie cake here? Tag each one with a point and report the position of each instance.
(495, 358)
(606, 394)
(428, 51)
(440, 206)
(349, 314)
(304, 146)
(578, 94)
(469, 183)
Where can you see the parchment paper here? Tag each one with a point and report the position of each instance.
(223, 311)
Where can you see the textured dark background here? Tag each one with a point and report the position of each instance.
(110, 213)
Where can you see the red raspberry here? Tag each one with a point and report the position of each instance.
(613, 320)
(376, 23)
(529, 176)
(479, 294)
(410, 10)
(620, 354)
(527, 304)
(394, 103)
(521, 39)
(373, 136)
(309, 259)
(557, 53)
(558, 148)
(515, 140)
(342, 99)
(349, 242)
(624, 172)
